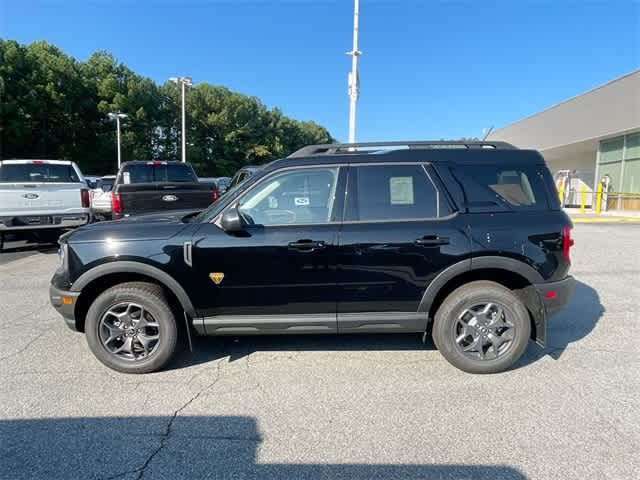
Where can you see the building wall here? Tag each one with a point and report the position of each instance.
(610, 109)
(584, 163)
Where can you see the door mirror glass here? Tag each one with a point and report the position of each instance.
(231, 221)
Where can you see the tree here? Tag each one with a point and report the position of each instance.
(53, 106)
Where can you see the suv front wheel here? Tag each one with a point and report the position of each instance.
(131, 328)
(482, 327)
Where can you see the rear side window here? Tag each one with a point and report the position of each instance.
(38, 172)
(500, 187)
(391, 192)
(158, 173)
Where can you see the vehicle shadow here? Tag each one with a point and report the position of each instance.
(570, 325)
(26, 242)
(16, 247)
(179, 447)
(207, 349)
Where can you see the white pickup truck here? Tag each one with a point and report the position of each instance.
(42, 194)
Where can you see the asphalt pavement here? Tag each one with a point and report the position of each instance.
(371, 406)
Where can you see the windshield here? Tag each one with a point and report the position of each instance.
(38, 172)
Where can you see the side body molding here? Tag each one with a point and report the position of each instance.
(135, 267)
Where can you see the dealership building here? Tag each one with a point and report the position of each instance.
(593, 134)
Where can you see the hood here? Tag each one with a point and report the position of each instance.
(155, 226)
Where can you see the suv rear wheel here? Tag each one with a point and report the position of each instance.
(131, 328)
(482, 327)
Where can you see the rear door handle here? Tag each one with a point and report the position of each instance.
(307, 245)
(432, 241)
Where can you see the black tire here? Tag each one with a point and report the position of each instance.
(152, 299)
(474, 301)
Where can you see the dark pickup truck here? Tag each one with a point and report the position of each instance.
(152, 186)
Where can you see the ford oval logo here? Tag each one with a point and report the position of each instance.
(31, 196)
(169, 198)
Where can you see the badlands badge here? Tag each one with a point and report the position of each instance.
(217, 277)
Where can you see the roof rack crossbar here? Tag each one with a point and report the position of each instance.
(349, 148)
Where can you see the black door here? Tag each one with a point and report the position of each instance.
(280, 274)
(399, 232)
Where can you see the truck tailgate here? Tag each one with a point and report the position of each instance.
(39, 198)
(153, 197)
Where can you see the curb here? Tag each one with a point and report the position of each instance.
(605, 219)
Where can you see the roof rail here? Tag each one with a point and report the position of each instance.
(351, 148)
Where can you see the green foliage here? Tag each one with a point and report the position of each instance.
(52, 106)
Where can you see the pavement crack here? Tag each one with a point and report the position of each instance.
(166, 435)
(18, 352)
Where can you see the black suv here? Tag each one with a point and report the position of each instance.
(465, 241)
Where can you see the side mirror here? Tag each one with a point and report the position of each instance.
(231, 221)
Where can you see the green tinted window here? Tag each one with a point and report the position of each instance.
(611, 150)
(631, 176)
(633, 146)
(613, 170)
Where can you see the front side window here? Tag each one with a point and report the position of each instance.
(391, 192)
(303, 195)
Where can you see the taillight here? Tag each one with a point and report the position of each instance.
(567, 243)
(215, 194)
(84, 196)
(116, 203)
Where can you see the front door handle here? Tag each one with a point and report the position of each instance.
(432, 241)
(307, 245)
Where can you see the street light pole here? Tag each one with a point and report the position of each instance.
(117, 116)
(184, 82)
(354, 79)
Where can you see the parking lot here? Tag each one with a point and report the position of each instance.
(372, 406)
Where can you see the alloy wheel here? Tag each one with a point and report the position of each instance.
(129, 331)
(483, 331)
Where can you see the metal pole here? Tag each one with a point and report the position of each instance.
(354, 80)
(118, 138)
(184, 133)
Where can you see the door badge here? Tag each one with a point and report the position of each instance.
(216, 277)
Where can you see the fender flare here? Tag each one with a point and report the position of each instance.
(476, 263)
(141, 268)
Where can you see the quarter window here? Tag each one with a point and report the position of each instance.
(304, 195)
(518, 187)
(392, 192)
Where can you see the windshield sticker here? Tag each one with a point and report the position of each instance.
(401, 190)
(301, 201)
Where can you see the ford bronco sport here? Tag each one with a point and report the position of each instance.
(465, 241)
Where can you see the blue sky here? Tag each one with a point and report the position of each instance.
(430, 69)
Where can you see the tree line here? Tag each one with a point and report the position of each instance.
(53, 106)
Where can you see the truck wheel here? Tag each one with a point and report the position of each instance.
(482, 327)
(131, 328)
